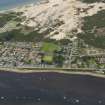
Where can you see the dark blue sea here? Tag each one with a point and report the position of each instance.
(8, 4)
(51, 89)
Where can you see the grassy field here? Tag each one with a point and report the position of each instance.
(48, 58)
(49, 47)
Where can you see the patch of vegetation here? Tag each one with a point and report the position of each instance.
(97, 20)
(6, 17)
(64, 41)
(17, 35)
(49, 47)
(92, 40)
(94, 27)
(48, 59)
(49, 40)
(92, 1)
(59, 60)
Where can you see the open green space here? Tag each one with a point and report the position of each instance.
(48, 58)
(50, 47)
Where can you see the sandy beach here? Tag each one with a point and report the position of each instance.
(56, 70)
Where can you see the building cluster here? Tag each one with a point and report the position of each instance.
(30, 54)
(19, 54)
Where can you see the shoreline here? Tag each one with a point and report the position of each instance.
(26, 71)
(18, 6)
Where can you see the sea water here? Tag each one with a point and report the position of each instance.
(9, 4)
(51, 89)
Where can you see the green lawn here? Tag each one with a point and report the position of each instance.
(48, 58)
(49, 47)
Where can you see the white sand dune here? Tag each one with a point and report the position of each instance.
(60, 16)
